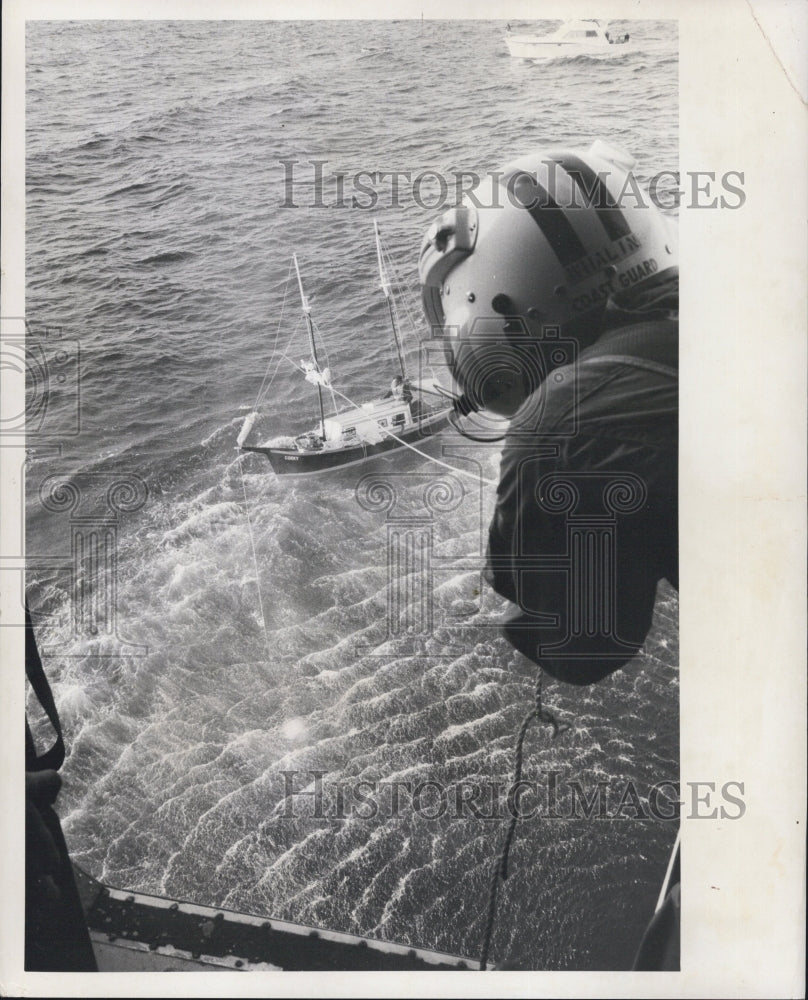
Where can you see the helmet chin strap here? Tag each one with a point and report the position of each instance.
(463, 406)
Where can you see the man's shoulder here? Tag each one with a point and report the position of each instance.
(645, 340)
(627, 379)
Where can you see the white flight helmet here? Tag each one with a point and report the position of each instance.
(536, 251)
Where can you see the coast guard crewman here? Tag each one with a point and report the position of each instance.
(56, 934)
(555, 292)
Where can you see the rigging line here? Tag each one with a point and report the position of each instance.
(277, 334)
(500, 870)
(403, 291)
(280, 357)
(255, 560)
(294, 364)
(400, 325)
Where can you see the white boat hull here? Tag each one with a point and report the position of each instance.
(540, 49)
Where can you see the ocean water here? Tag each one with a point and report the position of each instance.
(255, 654)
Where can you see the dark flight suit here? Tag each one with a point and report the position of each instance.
(56, 936)
(586, 517)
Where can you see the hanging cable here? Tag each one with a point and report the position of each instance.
(255, 559)
(500, 870)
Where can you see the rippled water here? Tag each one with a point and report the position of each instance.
(156, 238)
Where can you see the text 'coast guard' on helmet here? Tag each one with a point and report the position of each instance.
(541, 244)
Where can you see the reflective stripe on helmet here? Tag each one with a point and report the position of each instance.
(595, 194)
(547, 214)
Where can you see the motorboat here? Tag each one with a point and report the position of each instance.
(573, 38)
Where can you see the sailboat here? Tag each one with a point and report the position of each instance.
(411, 410)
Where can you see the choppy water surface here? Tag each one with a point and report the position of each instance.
(157, 239)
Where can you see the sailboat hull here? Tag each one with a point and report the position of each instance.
(298, 462)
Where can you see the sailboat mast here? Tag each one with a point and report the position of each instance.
(312, 346)
(389, 296)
